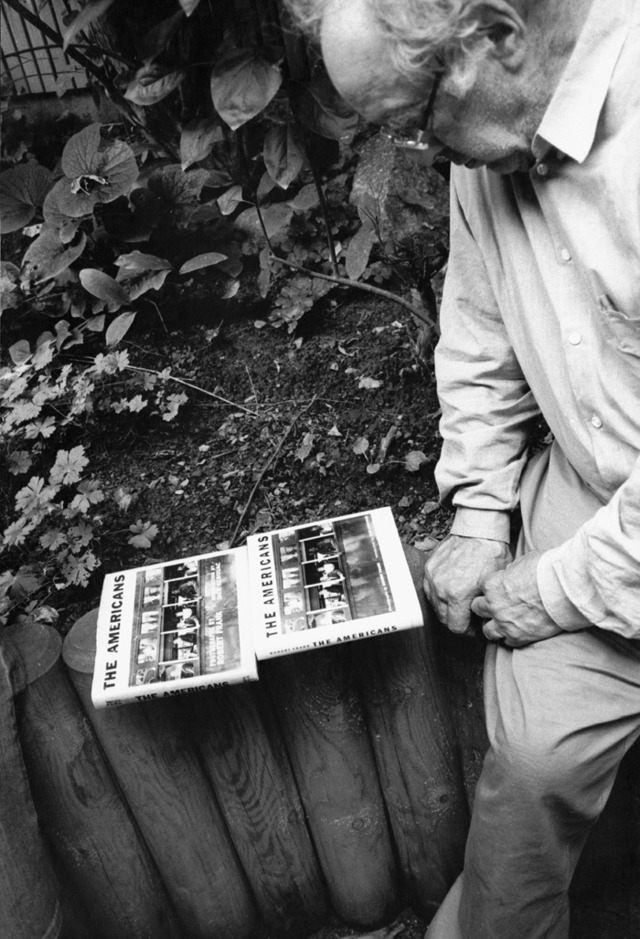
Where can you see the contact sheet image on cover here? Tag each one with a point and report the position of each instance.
(174, 627)
(330, 582)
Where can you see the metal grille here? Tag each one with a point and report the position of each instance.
(33, 63)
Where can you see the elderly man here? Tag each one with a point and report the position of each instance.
(537, 102)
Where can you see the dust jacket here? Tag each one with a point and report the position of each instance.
(185, 625)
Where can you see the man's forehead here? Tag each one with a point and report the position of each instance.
(356, 56)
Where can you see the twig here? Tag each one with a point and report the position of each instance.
(264, 469)
(187, 384)
(368, 288)
(324, 209)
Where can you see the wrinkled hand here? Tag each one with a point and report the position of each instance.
(512, 605)
(454, 575)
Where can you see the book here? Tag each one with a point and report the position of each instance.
(185, 625)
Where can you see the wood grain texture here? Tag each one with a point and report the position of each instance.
(244, 757)
(149, 751)
(91, 835)
(327, 741)
(460, 665)
(419, 768)
(29, 907)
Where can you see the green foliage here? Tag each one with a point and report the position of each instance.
(60, 510)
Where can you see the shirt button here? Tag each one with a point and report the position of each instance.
(596, 422)
(565, 254)
(542, 169)
(574, 338)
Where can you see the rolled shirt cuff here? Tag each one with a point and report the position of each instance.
(557, 604)
(492, 524)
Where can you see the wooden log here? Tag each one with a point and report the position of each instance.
(461, 666)
(29, 907)
(326, 737)
(414, 742)
(96, 848)
(245, 759)
(147, 745)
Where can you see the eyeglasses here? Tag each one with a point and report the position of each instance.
(417, 138)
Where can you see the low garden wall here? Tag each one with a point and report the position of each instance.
(340, 784)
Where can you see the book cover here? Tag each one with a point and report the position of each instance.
(330, 582)
(173, 628)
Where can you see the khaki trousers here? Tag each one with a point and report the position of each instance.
(560, 716)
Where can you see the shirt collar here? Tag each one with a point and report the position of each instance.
(570, 121)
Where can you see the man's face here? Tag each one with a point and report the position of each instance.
(486, 124)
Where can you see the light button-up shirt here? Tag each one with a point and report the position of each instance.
(541, 313)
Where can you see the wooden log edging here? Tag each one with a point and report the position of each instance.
(111, 884)
(148, 748)
(243, 754)
(325, 732)
(29, 905)
(414, 743)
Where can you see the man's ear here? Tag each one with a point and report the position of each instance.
(501, 30)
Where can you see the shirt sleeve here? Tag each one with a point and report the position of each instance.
(487, 406)
(594, 577)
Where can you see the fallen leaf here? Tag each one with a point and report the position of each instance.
(369, 383)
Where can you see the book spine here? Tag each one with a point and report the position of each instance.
(152, 692)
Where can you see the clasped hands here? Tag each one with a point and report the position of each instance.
(466, 576)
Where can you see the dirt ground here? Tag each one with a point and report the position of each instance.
(281, 428)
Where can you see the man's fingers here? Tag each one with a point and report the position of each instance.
(491, 631)
(458, 618)
(480, 607)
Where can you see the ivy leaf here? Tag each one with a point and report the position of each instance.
(104, 287)
(283, 155)
(52, 539)
(35, 497)
(47, 256)
(77, 568)
(156, 40)
(319, 107)
(90, 12)
(202, 260)
(120, 326)
(152, 83)
(358, 251)
(172, 405)
(414, 460)
(197, 139)
(89, 493)
(243, 82)
(19, 462)
(68, 467)
(143, 534)
(22, 191)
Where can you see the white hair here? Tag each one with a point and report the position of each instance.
(422, 34)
